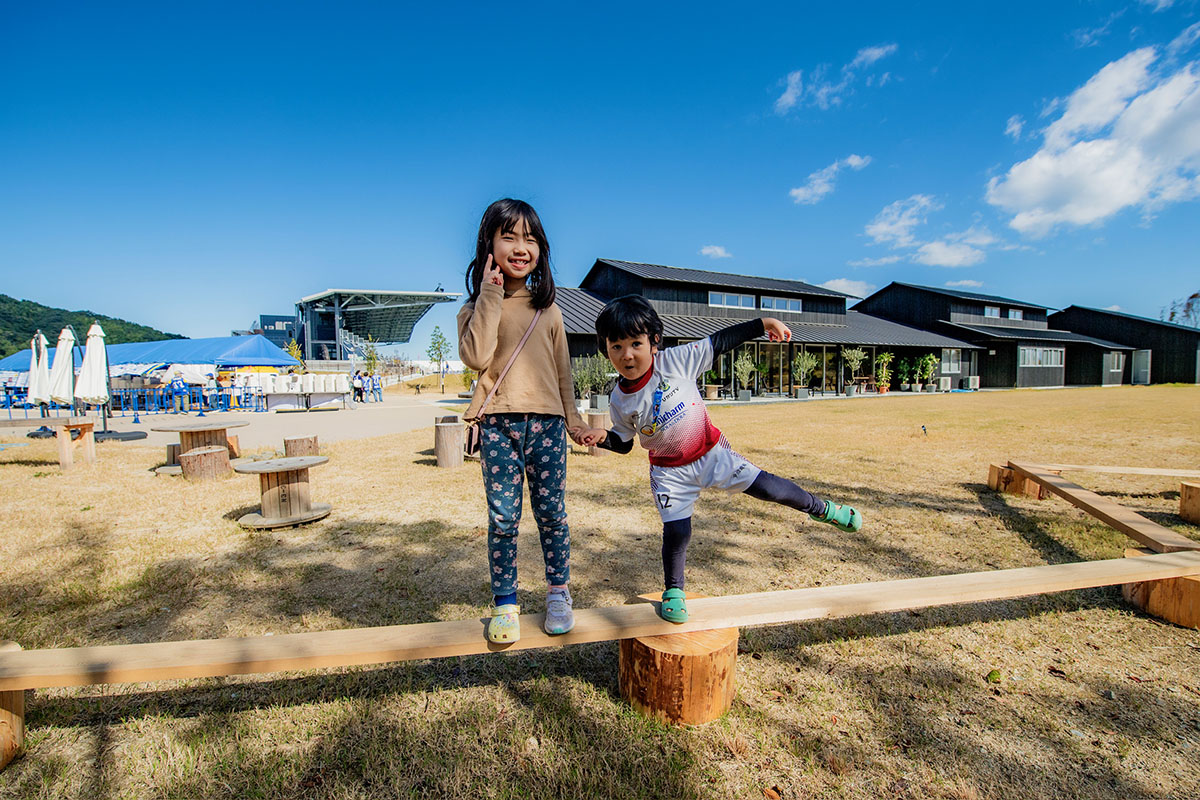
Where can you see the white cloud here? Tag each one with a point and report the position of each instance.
(1143, 152)
(1158, 5)
(820, 183)
(1013, 127)
(791, 94)
(895, 223)
(848, 286)
(967, 284)
(1113, 308)
(1089, 37)
(1183, 41)
(715, 251)
(825, 92)
(975, 235)
(948, 254)
(873, 262)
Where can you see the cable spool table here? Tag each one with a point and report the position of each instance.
(285, 496)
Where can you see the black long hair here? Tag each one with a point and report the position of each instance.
(503, 215)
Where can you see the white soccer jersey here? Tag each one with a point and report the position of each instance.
(682, 431)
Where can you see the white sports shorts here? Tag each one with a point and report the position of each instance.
(675, 489)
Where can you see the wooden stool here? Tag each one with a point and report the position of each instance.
(87, 440)
(448, 441)
(1189, 501)
(598, 419)
(12, 717)
(300, 446)
(205, 463)
(285, 496)
(681, 678)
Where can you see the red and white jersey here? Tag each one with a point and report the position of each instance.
(682, 431)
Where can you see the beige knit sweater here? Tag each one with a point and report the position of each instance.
(539, 381)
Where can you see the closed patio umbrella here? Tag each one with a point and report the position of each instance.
(92, 386)
(64, 368)
(39, 371)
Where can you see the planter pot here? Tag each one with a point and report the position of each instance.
(884, 389)
(710, 391)
(744, 394)
(931, 387)
(850, 390)
(906, 387)
(599, 402)
(800, 392)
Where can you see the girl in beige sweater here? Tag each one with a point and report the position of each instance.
(523, 430)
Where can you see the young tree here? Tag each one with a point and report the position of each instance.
(371, 355)
(438, 352)
(292, 348)
(1183, 312)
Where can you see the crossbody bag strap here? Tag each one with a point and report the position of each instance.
(511, 359)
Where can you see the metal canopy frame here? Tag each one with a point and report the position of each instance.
(385, 316)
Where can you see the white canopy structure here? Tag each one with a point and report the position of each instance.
(63, 373)
(39, 370)
(92, 386)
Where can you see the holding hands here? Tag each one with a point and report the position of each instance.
(776, 330)
(587, 436)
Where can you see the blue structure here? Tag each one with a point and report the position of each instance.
(223, 351)
(277, 328)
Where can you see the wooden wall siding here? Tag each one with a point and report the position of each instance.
(1176, 353)
(1000, 370)
(609, 282)
(910, 306)
(692, 301)
(1040, 376)
(969, 313)
(1089, 366)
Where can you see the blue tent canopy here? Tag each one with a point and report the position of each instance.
(224, 351)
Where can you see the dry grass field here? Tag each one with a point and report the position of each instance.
(1094, 699)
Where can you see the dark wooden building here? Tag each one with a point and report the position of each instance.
(1015, 345)
(696, 303)
(1163, 352)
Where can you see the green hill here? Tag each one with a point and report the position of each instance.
(20, 319)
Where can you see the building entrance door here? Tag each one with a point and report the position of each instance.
(1141, 368)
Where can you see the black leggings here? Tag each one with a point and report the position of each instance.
(678, 533)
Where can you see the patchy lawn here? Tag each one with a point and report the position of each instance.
(1094, 700)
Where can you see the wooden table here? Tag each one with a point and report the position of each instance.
(66, 456)
(200, 434)
(285, 496)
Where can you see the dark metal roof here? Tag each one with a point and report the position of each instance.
(1038, 335)
(384, 315)
(681, 275)
(580, 309)
(980, 298)
(1134, 317)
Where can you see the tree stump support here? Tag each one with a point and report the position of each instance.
(681, 678)
(12, 718)
(598, 419)
(172, 455)
(1006, 480)
(1189, 501)
(300, 446)
(1176, 600)
(205, 463)
(448, 443)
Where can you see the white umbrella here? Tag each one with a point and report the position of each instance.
(92, 386)
(64, 368)
(39, 371)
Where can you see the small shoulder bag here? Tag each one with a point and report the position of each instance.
(471, 435)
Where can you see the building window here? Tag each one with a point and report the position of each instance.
(727, 300)
(1118, 362)
(1016, 313)
(951, 360)
(782, 304)
(1042, 356)
(991, 311)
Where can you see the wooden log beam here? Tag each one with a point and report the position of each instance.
(12, 716)
(83, 666)
(1128, 522)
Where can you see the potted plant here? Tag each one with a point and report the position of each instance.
(883, 372)
(743, 368)
(926, 366)
(762, 368)
(854, 357)
(904, 371)
(802, 366)
(598, 372)
(711, 387)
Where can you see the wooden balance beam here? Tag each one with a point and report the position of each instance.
(83, 666)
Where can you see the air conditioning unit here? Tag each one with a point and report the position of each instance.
(970, 382)
(945, 384)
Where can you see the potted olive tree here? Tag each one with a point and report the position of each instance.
(926, 367)
(854, 357)
(598, 372)
(711, 387)
(743, 369)
(904, 371)
(883, 372)
(802, 366)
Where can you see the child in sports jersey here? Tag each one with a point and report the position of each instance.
(657, 399)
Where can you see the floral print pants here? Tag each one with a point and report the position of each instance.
(513, 447)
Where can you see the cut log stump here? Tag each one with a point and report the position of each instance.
(598, 419)
(1176, 600)
(205, 463)
(448, 444)
(681, 678)
(1189, 501)
(300, 446)
(12, 718)
(1003, 479)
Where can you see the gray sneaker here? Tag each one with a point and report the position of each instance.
(559, 616)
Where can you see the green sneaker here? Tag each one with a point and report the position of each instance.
(673, 608)
(844, 518)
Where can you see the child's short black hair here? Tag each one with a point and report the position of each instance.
(626, 317)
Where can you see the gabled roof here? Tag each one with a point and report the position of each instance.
(680, 275)
(979, 298)
(1123, 315)
(1037, 335)
(580, 309)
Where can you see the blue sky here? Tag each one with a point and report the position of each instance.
(191, 165)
